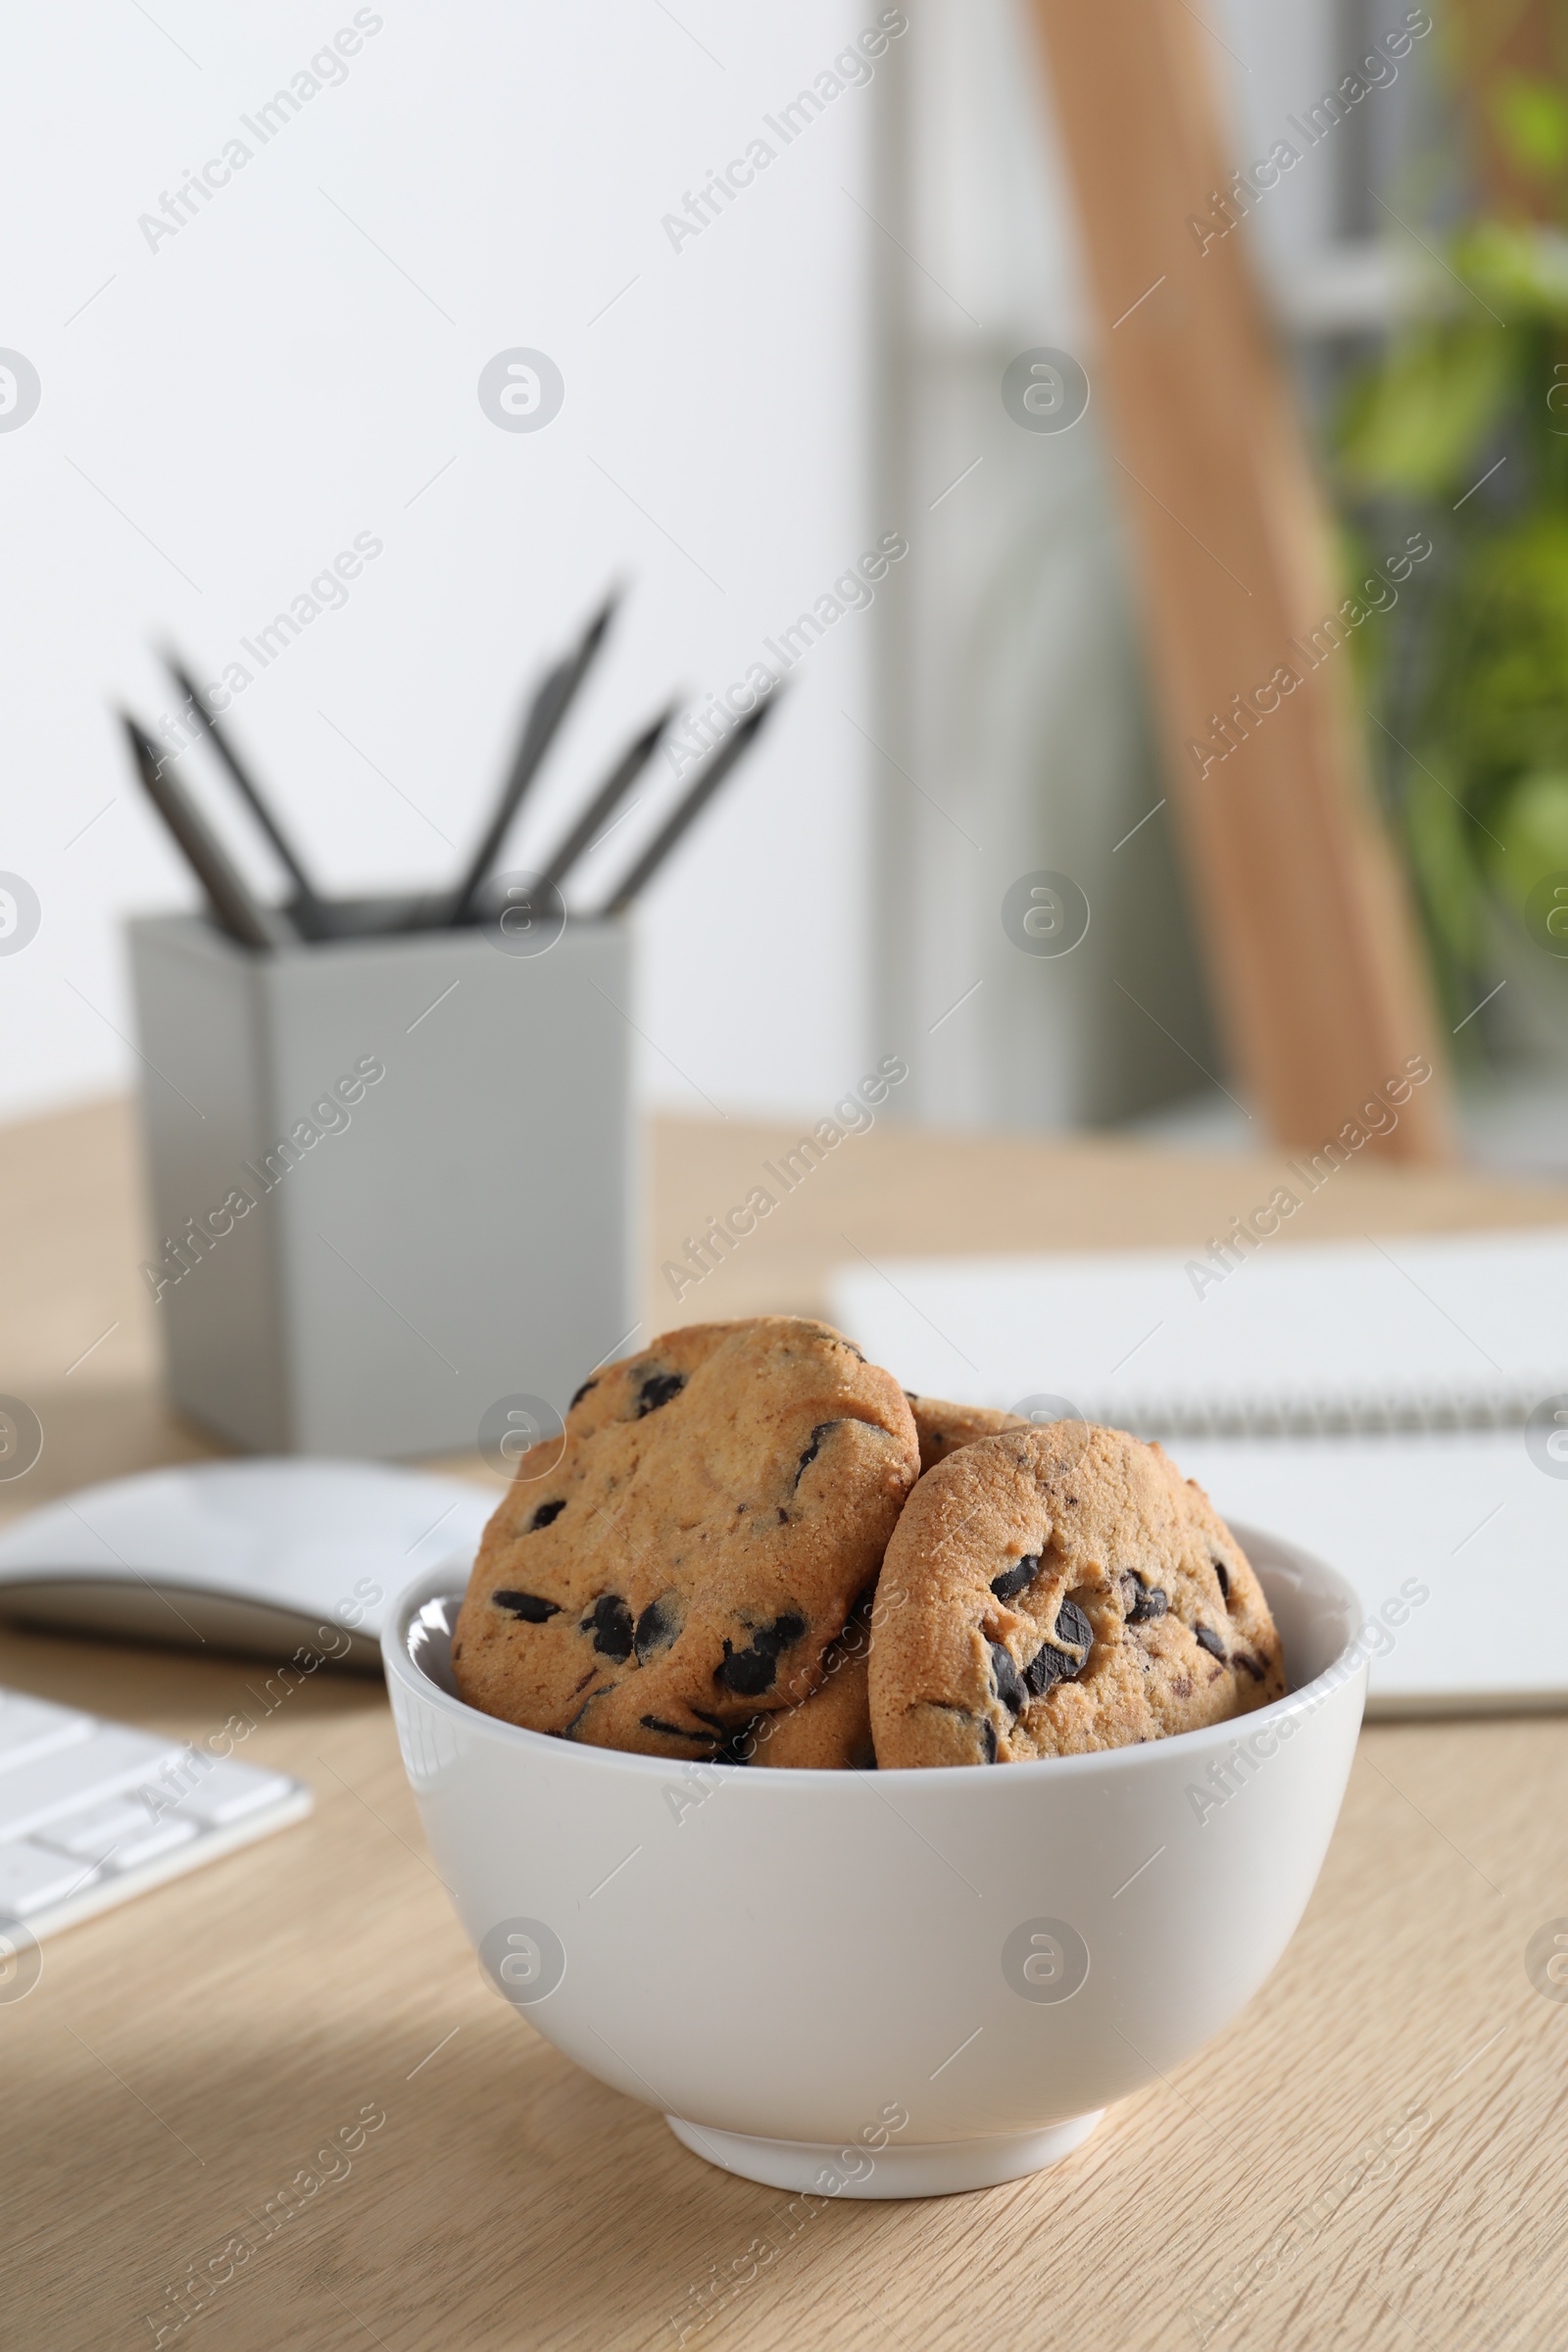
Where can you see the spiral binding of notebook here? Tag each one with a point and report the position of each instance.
(1327, 1413)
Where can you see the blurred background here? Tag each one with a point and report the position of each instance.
(209, 400)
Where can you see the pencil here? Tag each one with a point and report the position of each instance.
(550, 705)
(229, 894)
(308, 894)
(605, 802)
(707, 782)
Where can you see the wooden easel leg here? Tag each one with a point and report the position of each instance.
(1311, 942)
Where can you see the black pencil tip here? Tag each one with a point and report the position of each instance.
(143, 748)
(180, 671)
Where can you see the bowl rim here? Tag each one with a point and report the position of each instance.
(448, 1578)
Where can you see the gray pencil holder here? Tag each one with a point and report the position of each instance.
(391, 1180)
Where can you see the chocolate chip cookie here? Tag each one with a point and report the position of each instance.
(1059, 1591)
(831, 1731)
(682, 1561)
(942, 1428)
(833, 1727)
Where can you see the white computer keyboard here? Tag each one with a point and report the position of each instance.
(92, 1812)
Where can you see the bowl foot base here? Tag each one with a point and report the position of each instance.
(932, 2169)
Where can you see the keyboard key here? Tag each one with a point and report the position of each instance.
(31, 1875)
(32, 1727)
(121, 1833)
(93, 1812)
(50, 1787)
(231, 1790)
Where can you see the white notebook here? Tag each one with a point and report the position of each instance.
(1390, 1405)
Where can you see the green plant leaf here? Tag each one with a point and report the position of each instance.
(1531, 822)
(1518, 269)
(1497, 659)
(1413, 428)
(1531, 117)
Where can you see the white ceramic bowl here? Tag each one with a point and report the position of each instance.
(888, 1983)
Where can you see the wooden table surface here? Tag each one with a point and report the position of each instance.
(1374, 2156)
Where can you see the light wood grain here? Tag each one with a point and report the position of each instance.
(180, 2061)
(1307, 933)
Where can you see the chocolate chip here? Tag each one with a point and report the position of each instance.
(751, 1671)
(529, 1606)
(814, 1448)
(988, 1740)
(1053, 1665)
(657, 1390)
(1008, 1681)
(1223, 1573)
(1073, 1626)
(1244, 1657)
(1048, 1665)
(657, 1627)
(745, 1673)
(582, 1392)
(1143, 1601)
(1016, 1579)
(1209, 1641)
(546, 1514)
(609, 1623)
(657, 1723)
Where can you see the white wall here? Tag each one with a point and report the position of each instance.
(1014, 714)
(231, 407)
